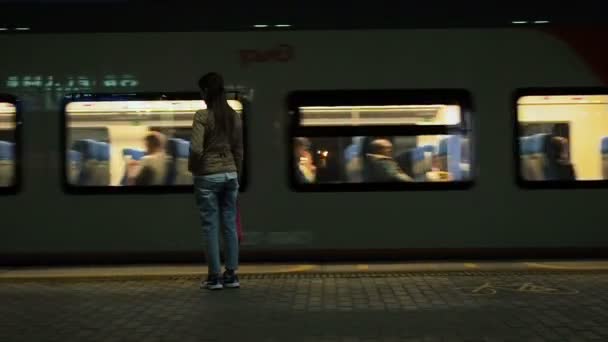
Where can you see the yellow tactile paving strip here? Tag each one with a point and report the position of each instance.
(162, 271)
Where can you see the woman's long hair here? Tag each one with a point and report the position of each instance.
(212, 85)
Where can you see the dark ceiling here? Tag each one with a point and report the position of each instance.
(179, 15)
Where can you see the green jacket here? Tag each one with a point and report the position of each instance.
(212, 153)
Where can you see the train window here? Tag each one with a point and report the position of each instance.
(125, 143)
(380, 140)
(9, 144)
(562, 137)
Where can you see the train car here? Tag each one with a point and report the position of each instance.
(360, 144)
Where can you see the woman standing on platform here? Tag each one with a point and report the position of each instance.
(216, 155)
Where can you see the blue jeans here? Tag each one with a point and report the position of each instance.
(216, 200)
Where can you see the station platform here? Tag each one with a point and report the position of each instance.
(425, 302)
(190, 270)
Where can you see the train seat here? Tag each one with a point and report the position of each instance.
(130, 153)
(88, 151)
(353, 165)
(429, 151)
(7, 163)
(102, 172)
(449, 154)
(74, 164)
(133, 153)
(413, 163)
(429, 148)
(178, 174)
(172, 147)
(465, 159)
(524, 157)
(604, 150)
(538, 156)
(182, 175)
(419, 165)
(405, 160)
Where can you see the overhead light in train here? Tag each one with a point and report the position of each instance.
(260, 26)
(541, 21)
(282, 25)
(519, 22)
(22, 28)
(84, 107)
(3, 28)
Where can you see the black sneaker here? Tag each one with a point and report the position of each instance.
(231, 280)
(212, 283)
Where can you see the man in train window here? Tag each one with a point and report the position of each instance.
(305, 169)
(152, 168)
(381, 165)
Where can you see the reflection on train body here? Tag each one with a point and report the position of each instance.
(563, 138)
(7, 144)
(122, 143)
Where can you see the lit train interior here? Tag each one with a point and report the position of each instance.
(563, 137)
(364, 159)
(7, 144)
(130, 143)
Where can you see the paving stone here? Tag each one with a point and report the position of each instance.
(415, 307)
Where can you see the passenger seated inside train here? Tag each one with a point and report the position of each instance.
(152, 168)
(305, 169)
(558, 165)
(381, 167)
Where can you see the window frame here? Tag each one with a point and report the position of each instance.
(302, 98)
(72, 189)
(550, 184)
(18, 178)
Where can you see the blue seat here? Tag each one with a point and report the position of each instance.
(419, 167)
(7, 163)
(465, 159)
(179, 151)
(413, 163)
(429, 148)
(102, 172)
(405, 160)
(74, 156)
(429, 151)
(604, 151)
(538, 158)
(449, 154)
(134, 154)
(524, 156)
(88, 151)
(353, 165)
(74, 164)
(523, 146)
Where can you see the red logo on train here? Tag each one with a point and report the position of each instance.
(283, 53)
